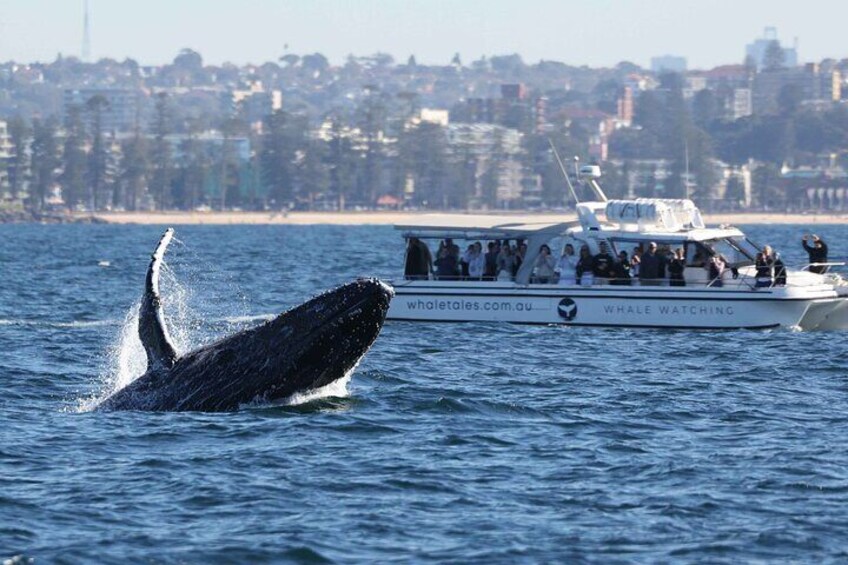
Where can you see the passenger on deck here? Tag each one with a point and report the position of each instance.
(544, 266)
(476, 262)
(715, 270)
(817, 252)
(520, 254)
(452, 247)
(419, 262)
(676, 266)
(621, 270)
(506, 262)
(585, 267)
(636, 262)
(649, 268)
(453, 250)
(603, 263)
(491, 261)
(779, 271)
(567, 266)
(764, 268)
(446, 266)
(463, 262)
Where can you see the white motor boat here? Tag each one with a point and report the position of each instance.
(734, 297)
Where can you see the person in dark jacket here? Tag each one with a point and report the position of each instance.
(817, 252)
(446, 265)
(779, 271)
(621, 270)
(715, 270)
(491, 259)
(764, 270)
(676, 266)
(649, 267)
(419, 262)
(585, 267)
(603, 263)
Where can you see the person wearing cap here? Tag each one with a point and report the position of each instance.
(817, 252)
(649, 267)
(603, 264)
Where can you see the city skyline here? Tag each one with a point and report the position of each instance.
(255, 31)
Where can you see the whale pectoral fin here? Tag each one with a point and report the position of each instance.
(151, 319)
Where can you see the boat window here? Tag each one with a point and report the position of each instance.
(696, 254)
(732, 254)
(747, 247)
(557, 244)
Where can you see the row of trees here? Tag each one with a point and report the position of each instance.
(352, 157)
(355, 157)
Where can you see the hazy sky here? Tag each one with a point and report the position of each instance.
(591, 32)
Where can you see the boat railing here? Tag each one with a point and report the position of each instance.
(827, 266)
(746, 281)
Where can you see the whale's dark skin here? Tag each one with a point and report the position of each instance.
(308, 347)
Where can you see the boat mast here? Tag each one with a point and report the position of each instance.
(564, 172)
(686, 156)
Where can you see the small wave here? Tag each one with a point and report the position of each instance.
(52, 324)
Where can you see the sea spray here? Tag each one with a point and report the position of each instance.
(124, 362)
(126, 359)
(183, 309)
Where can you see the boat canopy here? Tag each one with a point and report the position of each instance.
(466, 227)
(641, 214)
(667, 214)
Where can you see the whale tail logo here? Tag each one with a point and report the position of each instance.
(567, 309)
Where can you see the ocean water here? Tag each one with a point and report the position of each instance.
(451, 443)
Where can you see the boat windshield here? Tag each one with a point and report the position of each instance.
(746, 246)
(734, 250)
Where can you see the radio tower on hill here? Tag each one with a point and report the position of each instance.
(86, 36)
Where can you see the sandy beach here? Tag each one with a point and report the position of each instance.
(394, 217)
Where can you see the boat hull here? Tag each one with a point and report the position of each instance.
(617, 306)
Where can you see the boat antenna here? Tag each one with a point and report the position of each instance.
(564, 172)
(686, 182)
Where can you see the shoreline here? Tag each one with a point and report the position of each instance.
(395, 217)
(381, 218)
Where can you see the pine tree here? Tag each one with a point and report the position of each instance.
(161, 175)
(342, 162)
(45, 161)
(275, 160)
(19, 164)
(372, 123)
(194, 168)
(133, 170)
(97, 157)
(73, 159)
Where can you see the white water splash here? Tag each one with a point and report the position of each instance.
(125, 361)
(336, 389)
(183, 325)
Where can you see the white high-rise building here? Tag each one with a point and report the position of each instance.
(5, 155)
(758, 49)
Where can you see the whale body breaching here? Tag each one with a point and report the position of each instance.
(306, 348)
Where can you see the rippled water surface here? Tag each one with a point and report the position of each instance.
(454, 442)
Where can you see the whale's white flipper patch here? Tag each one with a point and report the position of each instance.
(151, 319)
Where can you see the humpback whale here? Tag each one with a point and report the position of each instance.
(305, 348)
